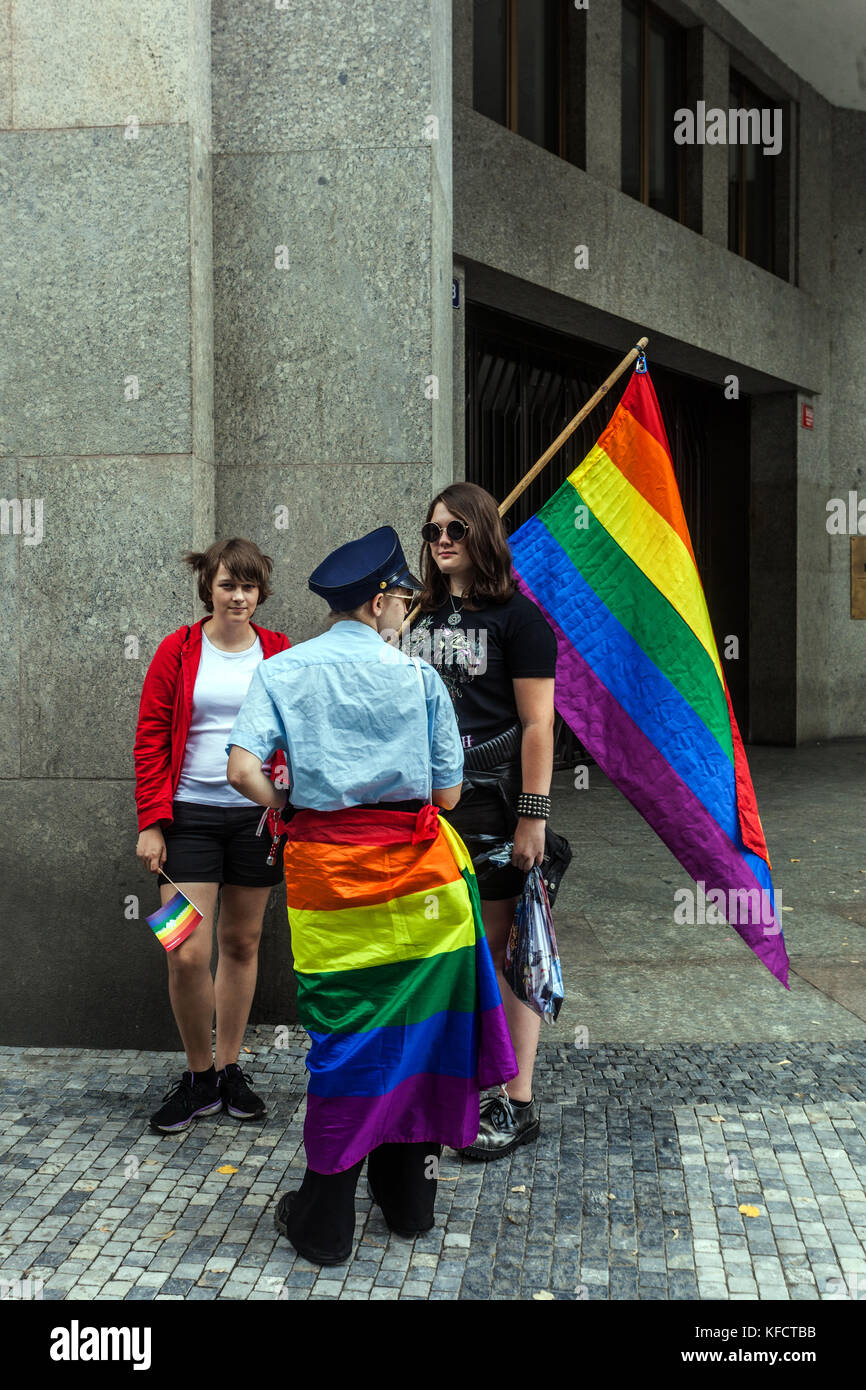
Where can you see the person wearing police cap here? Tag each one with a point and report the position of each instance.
(396, 984)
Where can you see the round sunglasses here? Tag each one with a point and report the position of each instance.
(455, 531)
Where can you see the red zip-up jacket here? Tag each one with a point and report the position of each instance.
(165, 716)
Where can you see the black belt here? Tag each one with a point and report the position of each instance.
(494, 751)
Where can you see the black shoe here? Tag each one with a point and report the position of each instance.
(282, 1221)
(194, 1095)
(237, 1098)
(503, 1127)
(405, 1232)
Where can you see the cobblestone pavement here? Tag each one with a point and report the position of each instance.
(635, 1189)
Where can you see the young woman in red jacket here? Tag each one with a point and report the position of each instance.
(201, 830)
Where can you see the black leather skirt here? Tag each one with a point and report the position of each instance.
(486, 818)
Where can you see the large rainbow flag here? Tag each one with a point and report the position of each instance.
(609, 562)
(396, 985)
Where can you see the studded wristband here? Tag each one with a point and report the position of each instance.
(533, 805)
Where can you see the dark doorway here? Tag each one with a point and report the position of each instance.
(523, 385)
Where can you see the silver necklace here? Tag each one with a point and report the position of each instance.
(454, 617)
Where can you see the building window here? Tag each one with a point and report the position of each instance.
(755, 229)
(653, 88)
(518, 63)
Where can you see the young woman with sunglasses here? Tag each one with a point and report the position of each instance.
(496, 654)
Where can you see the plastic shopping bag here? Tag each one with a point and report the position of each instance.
(532, 965)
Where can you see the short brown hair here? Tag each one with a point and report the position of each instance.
(244, 561)
(487, 548)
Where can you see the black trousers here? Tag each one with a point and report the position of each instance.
(403, 1178)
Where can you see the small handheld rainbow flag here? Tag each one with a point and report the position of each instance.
(173, 922)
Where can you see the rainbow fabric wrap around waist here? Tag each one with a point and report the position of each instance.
(396, 985)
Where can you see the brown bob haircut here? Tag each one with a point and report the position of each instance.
(244, 561)
(486, 547)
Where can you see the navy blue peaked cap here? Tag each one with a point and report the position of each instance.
(360, 569)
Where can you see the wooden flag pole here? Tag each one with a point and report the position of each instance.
(180, 890)
(557, 444)
(571, 426)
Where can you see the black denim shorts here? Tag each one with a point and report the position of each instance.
(218, 844)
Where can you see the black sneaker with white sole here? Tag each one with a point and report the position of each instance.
(197, 1093)
(237, 1098)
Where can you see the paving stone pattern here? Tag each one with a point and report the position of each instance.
(633, 1190)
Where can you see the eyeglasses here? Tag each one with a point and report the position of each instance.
(455, 531)
(408, 600)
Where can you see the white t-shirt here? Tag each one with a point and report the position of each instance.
(221, 682)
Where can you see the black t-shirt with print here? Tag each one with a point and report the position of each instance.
(480, 656)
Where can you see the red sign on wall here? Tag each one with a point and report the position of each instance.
(808, 418)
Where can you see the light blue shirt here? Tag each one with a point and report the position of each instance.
(354, 720)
